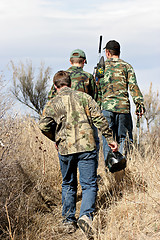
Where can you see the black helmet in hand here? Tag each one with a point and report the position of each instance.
(115, 161)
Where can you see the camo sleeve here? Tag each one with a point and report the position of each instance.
(52, 93)
(94, 88)
(100, 121)
(47, 123)
(133, 86)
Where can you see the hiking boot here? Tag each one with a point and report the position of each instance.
(68, 227)
(85, 223)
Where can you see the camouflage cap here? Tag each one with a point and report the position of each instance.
(78, 53)
(112, 45)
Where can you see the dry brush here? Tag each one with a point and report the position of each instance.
(128, 205)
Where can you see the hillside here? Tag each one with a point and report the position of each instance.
(128, 202)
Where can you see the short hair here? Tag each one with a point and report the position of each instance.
(113, 47)
(62, 78)
(77, 60)
(79, 55)
(114, 52)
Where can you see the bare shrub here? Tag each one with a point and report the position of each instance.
(28, 89)
(29, 174)
(152, 105)
(128, 200)
(5, 100)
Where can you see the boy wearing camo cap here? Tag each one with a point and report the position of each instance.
(81, 81)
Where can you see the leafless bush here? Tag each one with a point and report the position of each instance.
(5, 100)
(152, 105)
(27, 167)
(28, 89)
(128, 201)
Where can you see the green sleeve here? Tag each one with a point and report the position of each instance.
(133, 87)
(52, 93)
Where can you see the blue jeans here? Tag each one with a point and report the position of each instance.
(120, 123)
(87, 164)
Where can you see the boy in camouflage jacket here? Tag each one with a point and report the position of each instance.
(119, 77)
(80, 81)
(67, 119)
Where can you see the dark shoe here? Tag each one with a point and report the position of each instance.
(99, 178)
(68, 227)
(85, 223)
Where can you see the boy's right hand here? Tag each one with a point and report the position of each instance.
(113, 146)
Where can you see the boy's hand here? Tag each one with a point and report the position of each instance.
(113, 146)
(56, 146)
(140, 110)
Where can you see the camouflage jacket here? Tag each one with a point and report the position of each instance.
(80, 81)
(119, 77)
(73, 113)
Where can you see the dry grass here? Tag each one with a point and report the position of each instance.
(128, 202)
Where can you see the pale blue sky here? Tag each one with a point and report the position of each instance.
(48, 30)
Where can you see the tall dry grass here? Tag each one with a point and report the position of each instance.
(128, 202)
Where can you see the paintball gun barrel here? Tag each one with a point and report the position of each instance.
(99, 69)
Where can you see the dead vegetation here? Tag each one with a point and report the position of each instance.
(128, 202)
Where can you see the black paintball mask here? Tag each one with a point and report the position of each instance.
(115, 161)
